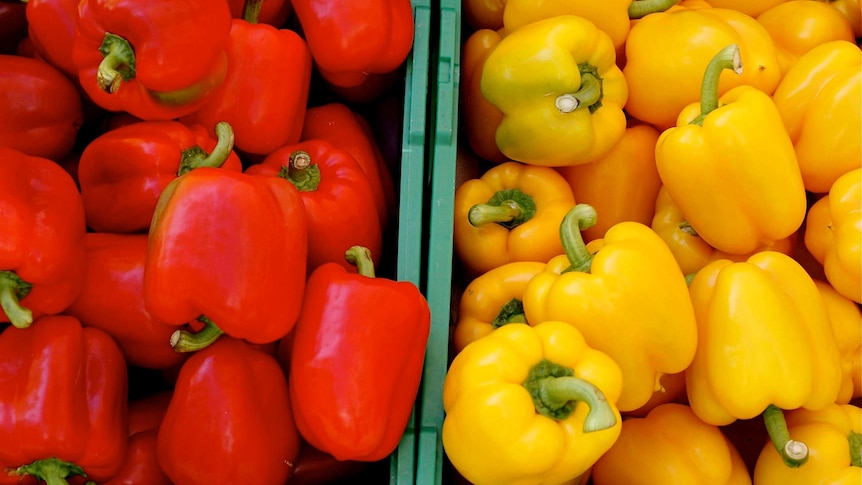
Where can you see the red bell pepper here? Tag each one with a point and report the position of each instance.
(266, 89)
(314, 467)
(356, 360)
(338, 199)
(51, 28)
(112, 300)
(13, 26)
(42, 253)
(123, 171)
(231, 249)
(272, 12)
(150, 60)
(345, 128)
(40, 108)
(65, 408)
(141, 466)
(229, 420)
(351, 41)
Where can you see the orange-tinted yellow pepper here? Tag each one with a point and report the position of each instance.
(752, 8)
(493, 299)
(690, 250)
(511, 213)
(730, 167)
(480, 118)
(670, 445)
(483, 14)
(667, 53)
(852, 9)
(832, 436)
(629, 299)
(846, 319)
(820, 102)
(764, 338)
(621, 185)
(529, 404)
(833, 234)
(560, 90)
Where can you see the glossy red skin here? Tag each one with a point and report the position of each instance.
(70, 397)
(40, 108)
(123, 171)
(340, 125)
(345, 50)
(341, 212)
(232, 247)
(141, 466)
(13, 26)
(43, 231)
(112, 299)
(272, 12)
(265, 92)
(182, 47)
(51, 28)
(356, 362)
(229, 420)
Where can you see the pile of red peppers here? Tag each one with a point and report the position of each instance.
(196, 264)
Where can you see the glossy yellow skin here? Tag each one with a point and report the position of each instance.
(852, 9)
(633, 305)
(751, 8)
(670, 445)
(825, 432)
(797, 26)
(480, 249)
(692, 252)
(667, 53)
(833, 234)
(484, 296)
(492, 433)
(748, 190)
(764, 337)
(820, 102)
(846, 319)
(530, 68)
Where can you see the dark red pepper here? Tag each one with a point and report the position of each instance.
(141, 466)
(51, 28)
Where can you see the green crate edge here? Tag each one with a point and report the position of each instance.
(438, 286)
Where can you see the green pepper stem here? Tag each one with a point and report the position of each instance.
(508, 207)
(579, 218)
(12, 290)
(196, 157)
(639, 9)
(299, 171)
(854, 439)
(185, 341)
(557, 391)
(727, 58)
(360, 257)
(118, 63)
(251, 10)
(52, 471)
(687, 228)
(511, 312)
(793, 453)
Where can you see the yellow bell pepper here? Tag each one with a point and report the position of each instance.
(483, 14)
(559, 88)
(833, 234)
(752, 8)
(852, 9)
(820, 103)
(764, 338)
(846, 319)
(623, 184)
(690, 250)
(511, 213)
(480, 118)
(833, 438)
(629, 299)
(730, 167)
(667, 53)
(492, 300)
(797, 26)
(529, 405)
(670, 445)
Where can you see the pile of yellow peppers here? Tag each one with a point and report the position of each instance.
(658, 237)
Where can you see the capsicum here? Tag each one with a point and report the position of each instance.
(141, 464)
(750, 191)
(51, 28)
(512, 212)
(845, 316)
(229, 419)
(530, 404)
(347, 400)
(480, 118)
(123, 171)
(819, 102)
(42, 256)
(832, 232)
(64, 405)
(151, 61)
(764, 339)
(560, 90)
(629, 299)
